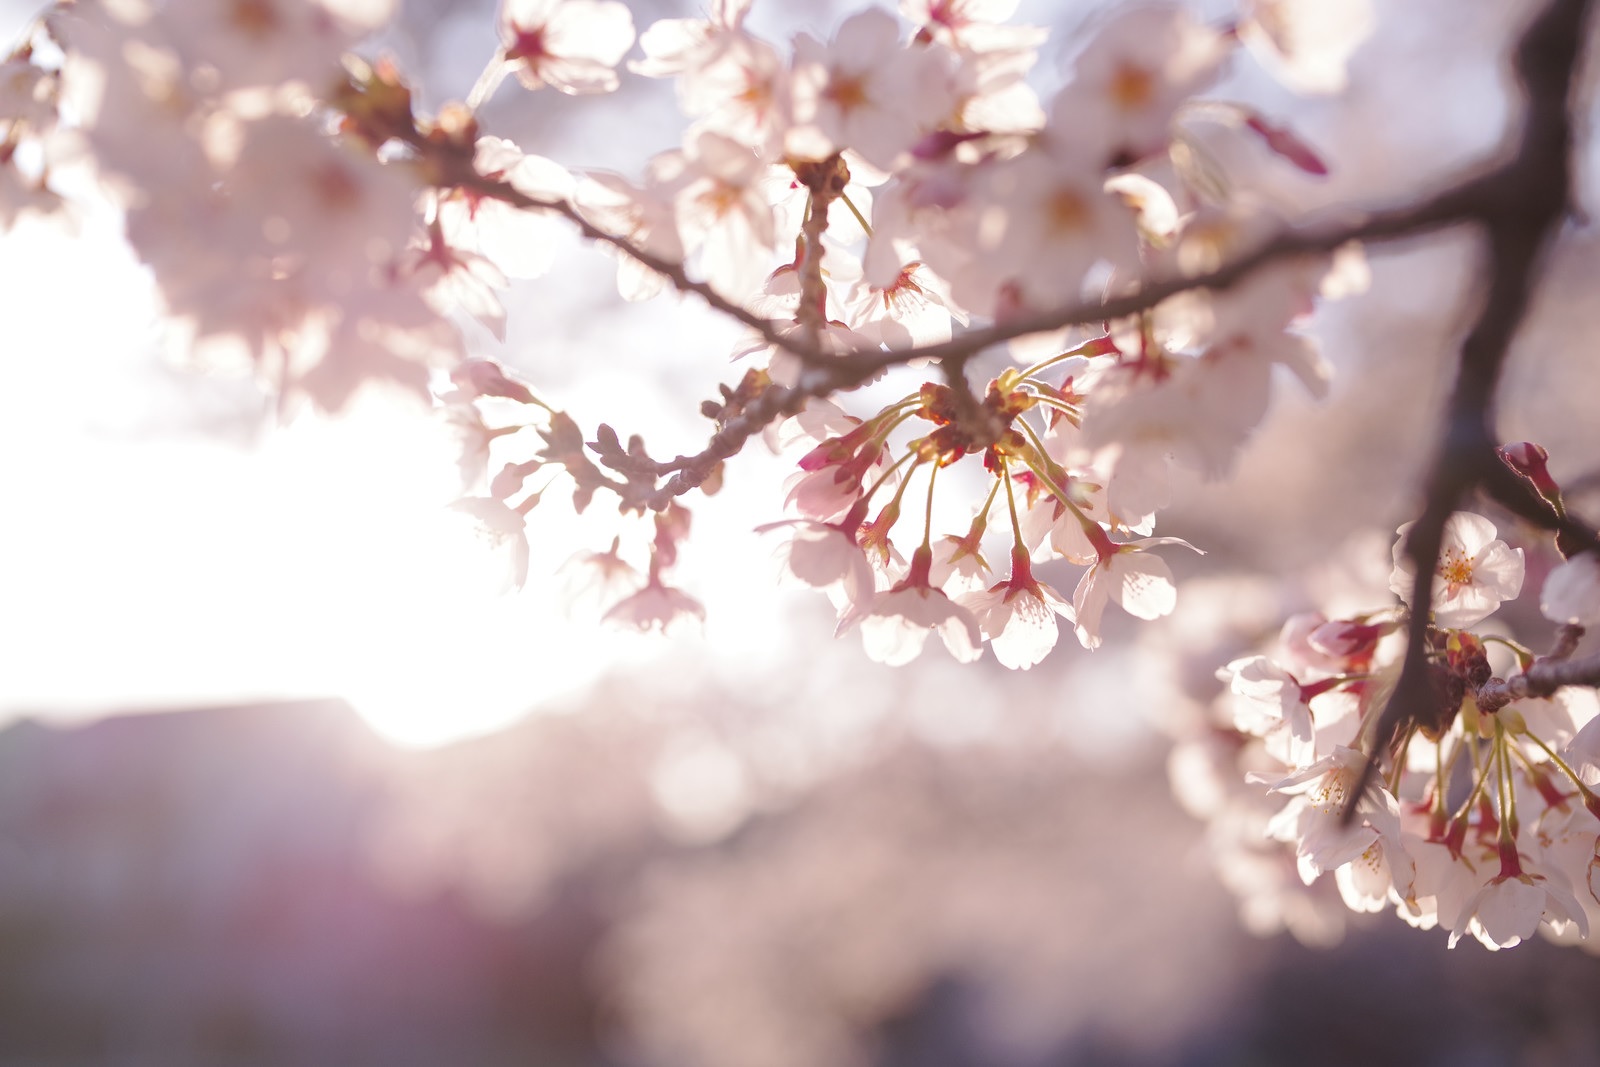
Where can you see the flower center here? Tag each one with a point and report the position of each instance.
(848, 92)
(1132, 87)
(255, 18)
(1456, 568)
(528, 46)
(1066, 211)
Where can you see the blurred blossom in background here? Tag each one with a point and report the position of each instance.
(288, 780)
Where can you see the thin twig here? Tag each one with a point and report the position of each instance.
(673, 271)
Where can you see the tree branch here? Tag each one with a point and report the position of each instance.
(1518, 201)
(1523, 202)
(1545, 676)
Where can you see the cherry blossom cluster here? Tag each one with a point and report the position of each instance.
(878, 209)
(1483, 818)
(982, 204)
(852, 201)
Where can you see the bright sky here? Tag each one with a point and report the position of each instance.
(149, 561)
(166, 545)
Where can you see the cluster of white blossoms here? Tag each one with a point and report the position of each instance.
(876, 190)
(862, 203)
(1483, 818)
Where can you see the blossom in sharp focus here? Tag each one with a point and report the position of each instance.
(570, 45)
(1507, 910)
(1019, 615)
(1140, 582)
(895, 624)
(1475, 573)
(1314, 818)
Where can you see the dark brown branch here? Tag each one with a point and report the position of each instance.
(1523, 203)
(824, 184)
(673, 271)
(1452, 205)
(1471, 198)
(692, 471)
(1519, 202)
(1545, 676)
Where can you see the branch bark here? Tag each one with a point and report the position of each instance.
(1521, 205)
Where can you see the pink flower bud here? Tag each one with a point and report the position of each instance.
(1529, 460)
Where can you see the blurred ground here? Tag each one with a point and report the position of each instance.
(261, 886)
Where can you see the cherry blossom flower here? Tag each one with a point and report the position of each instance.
(1302, 654)
(1476, 571)
(570, 45)
(1018, 615)
(914, 309)
(731, 81)
(381, 334)
(1508, 908)
(453, 279)
(1051, 221)
(896, 622)
(1268, 702)
(504, 530)
(864, 91)
(679, 46)
(140, 114)
(723, 215)
(593, 582)
(1131, 77)
(818, 421)
(1306, 44)
(521, 243)
(251, 43)
(959, 565)
(1195, 413)
(825, 556)
(1314, 818)
(1371, 881)
(316, 207)
(657, 607)
(1571, 593)
(645, 216)
(1137, 580)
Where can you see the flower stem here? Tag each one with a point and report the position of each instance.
(865, 225)
(1011, 503)
(1046, 364)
